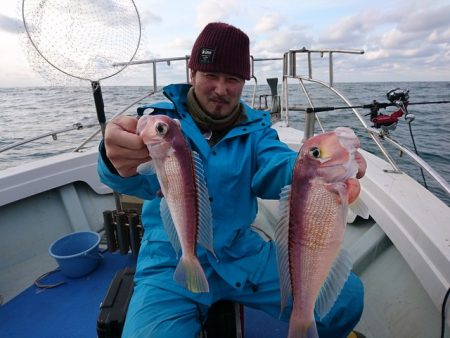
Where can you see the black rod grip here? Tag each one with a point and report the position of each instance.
(123, 237)
(110, 231)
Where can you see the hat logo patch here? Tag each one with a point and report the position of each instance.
(206, 56)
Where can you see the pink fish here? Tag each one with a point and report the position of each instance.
(185, 207)
(313, 212)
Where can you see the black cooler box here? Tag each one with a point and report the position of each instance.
(113, 309)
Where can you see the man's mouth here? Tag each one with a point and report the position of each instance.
(218, 100)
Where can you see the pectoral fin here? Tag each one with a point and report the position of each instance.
(146, 168)
(353, 188)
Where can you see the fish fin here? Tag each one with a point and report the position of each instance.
(189, 273)
(146, 168)
(331, 288)
(281, 244)
(312, 332)
(340, 189)
(169, 226)
(177, 121)
(353, 189)
(205, 226)
(298, 328)
(358, 208)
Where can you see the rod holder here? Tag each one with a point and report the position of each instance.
(135, 239)
(110, 231)
(123, 236)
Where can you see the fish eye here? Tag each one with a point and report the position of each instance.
(161, 128)
(314, 152)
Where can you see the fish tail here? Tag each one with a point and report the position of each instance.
(189, 273)
(302, 329)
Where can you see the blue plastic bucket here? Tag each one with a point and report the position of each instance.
(77, 253)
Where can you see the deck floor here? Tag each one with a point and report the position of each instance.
(71, 310)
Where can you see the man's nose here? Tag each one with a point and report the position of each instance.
(221, 87)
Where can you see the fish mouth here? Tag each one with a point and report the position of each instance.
(153, 144)
(350, 168)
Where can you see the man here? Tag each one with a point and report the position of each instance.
(243, 159)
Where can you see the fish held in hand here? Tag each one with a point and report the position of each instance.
(185, 208)
(313, 211)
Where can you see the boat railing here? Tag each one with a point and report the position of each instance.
(54, 134)
(273, 83)
(94, 134)
(290, 71)
(79, 126)
(154, 63)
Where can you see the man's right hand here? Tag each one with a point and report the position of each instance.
(124, 148)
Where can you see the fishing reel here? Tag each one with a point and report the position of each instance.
(398, 95)
(399, 98)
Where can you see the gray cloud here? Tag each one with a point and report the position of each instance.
(10, 25)
(426, 20)
(150, 18)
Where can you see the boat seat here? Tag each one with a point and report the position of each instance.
(275, 98)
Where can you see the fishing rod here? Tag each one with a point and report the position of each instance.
(387, 122)
(374, 105)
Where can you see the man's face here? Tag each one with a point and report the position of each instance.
(217, 93)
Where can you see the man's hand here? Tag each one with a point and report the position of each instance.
(124, 147)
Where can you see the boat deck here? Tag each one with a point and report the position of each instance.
(71, 310)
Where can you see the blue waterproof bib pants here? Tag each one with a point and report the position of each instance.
(160, 313)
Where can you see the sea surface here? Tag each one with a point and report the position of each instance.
(29, 112)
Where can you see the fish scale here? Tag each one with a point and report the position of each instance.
(323, 208)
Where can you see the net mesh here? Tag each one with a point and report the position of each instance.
(81, 38)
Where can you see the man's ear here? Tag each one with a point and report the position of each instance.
(191, 76)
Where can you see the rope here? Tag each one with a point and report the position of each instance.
(443, 313)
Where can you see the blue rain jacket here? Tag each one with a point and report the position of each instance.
(249, 162)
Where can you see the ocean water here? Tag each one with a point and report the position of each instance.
(29, 112)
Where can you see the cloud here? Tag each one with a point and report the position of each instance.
(267, 23)
(354, 29)
(280, 41)
(442, 36)
(10, 25)
(149, 18)
(181, 43)
(425, 20)
(215, 10)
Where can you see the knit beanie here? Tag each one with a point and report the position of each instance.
(221, 48)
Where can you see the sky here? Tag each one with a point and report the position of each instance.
(403, 40)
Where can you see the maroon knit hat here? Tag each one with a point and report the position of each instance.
(221, 48)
